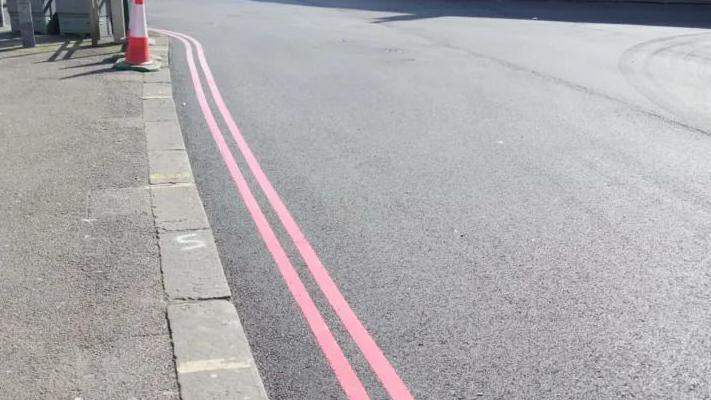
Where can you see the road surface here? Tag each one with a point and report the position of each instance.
(514, 198)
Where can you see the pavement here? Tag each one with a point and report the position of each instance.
(512, 196)
(111, 284)
(83, 311)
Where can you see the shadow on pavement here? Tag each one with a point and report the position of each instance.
(54, 48)
(605, 12)
(88, 73)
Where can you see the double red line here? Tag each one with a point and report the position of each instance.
(347, 378)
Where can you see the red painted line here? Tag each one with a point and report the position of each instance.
(342, 368)
(380, 365)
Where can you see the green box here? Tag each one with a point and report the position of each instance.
(40, 22)
(79, 24)
(74, 17)
(41, 15)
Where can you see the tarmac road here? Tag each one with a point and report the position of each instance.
(513, 197)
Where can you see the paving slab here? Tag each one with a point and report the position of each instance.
(178, 208)
(159, 109)
(161, 76)
(212, 355)
(83, 310)
(157, 89)
(191, 266)
(113, 202)
(169, 166)
(164, 135)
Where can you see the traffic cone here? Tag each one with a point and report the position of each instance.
(138, 56)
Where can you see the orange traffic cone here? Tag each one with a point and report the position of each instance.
(138, 54)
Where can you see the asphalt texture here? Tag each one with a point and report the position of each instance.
(82, 309)
(513, 196)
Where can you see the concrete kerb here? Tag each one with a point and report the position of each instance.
(177, 207)
(164, 135)
(213, 361)
(183, 251)
(157, 90)
(213, 358)
(159, 108)
(169, 166)
(160, 76)
(152, 66)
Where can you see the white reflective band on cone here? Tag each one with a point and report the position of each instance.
(138, 26)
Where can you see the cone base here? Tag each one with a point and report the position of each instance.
(151, 66)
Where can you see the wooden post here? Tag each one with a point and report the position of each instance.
(2, 14)
(118, 26)
(94, 22)
(27, 29)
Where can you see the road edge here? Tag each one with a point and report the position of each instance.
(213, 359)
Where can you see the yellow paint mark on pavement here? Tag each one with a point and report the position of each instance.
(211, 365)
(171, 176)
